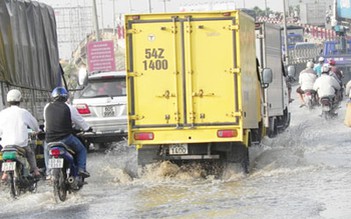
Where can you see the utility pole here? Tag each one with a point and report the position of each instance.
(164, 6)
(114, 17)
(265, 5)
(150, 9)
(96, 24)
(102, 16)
(285, 35)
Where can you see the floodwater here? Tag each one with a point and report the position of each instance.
(303, 173)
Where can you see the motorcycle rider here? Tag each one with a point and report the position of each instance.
(326, 85)
(335, 71)
(348, 89)
(59, 117)
(338, 75)
(307, 78)
(318, 67)
(14, 123)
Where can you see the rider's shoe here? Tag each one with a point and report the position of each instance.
(84, 173)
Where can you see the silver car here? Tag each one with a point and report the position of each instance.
(103, 105)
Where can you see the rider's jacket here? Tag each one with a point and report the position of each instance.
(307, 78)
(14, 122)
(326, 85)
(59, 117)
(348, 89)
(318, 69)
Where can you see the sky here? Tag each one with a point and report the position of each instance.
(105, 9)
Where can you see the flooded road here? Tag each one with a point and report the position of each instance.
(303, 173)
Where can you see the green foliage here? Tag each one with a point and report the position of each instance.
(70, 75)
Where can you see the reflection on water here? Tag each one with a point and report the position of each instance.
(303, 173)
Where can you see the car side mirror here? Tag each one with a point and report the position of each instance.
(267, 77)
(83, 77)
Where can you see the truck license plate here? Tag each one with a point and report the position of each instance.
(178, 149)
(55, 163)
(8, 166)
(109, 111)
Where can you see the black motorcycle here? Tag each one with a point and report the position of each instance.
(16, 166)
(310, 98)
(328, 105)
(64, 168)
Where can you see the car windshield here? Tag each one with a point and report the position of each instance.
(103, 88)
(293, 39)
(305, 46)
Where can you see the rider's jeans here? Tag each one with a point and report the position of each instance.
(81, 152)
(31, 158)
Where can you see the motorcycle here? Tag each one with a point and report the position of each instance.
(64, 168)
(310, 99)
(328, 106)
(16, 166)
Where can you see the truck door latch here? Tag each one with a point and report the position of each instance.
(202, 94)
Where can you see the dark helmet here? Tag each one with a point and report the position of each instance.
(59, 94)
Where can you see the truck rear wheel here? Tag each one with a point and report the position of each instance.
(273, 127)
(239, 153)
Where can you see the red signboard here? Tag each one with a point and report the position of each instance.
(101, 56)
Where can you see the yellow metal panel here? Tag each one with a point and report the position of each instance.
(210, 81)
(249, 83)
(210, 58)
(155, 73)
(199, 135)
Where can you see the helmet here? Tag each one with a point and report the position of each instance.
(14, 96)
(59, 93)
(309, 65)
(325, 68)
(332, 62)
(321, 59)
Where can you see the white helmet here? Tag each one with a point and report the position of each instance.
(325, 68)
(309, 65)
(14, 96)
(321, 59)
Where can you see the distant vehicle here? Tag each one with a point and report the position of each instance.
(305, 45)
(340, 51)
(305, 51)
(102, 103)
(294, 35)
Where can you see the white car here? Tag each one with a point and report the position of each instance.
(103, 104)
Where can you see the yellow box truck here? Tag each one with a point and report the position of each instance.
(194, 88)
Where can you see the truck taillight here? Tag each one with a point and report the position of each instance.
(144, 136)
(227, 133)
(82, 108)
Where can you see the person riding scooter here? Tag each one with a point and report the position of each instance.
(307, 78)
(59, 117)
(326, 85)
(318, 67)
(14, 123)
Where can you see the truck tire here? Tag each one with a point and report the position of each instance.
(273, 127)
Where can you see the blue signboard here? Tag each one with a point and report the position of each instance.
(343, 9)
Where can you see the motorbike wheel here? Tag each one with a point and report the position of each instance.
(33, 187)
(60, 187)
(13, 178)
(326, 115)
(309, 104)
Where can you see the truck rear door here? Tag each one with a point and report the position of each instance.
(181, 70)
